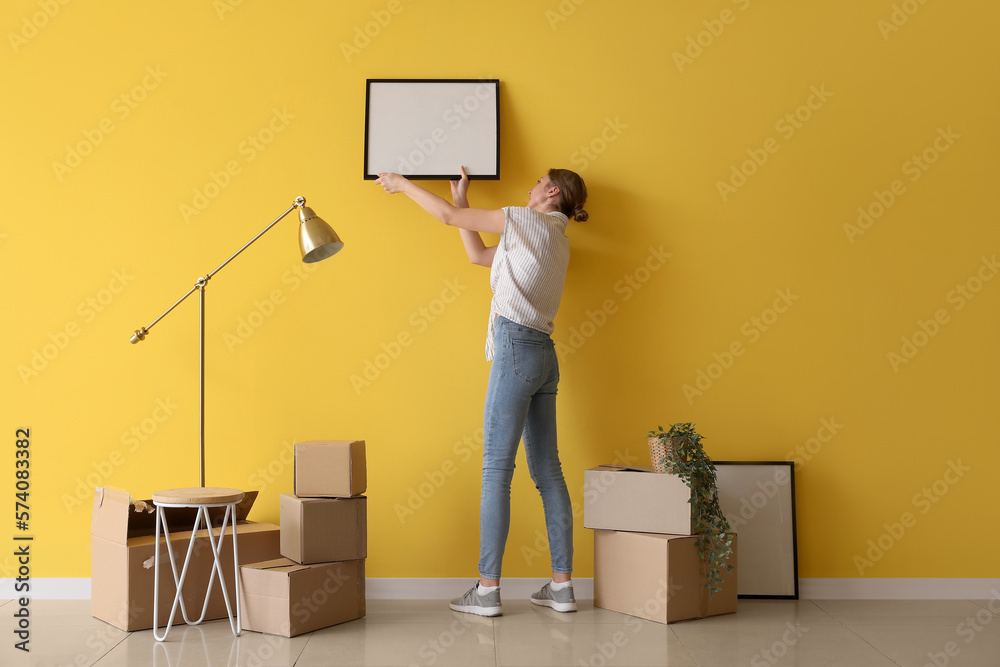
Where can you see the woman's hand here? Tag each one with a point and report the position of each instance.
(460, 189)
(391, 183)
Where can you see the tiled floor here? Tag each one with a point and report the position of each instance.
(909, 633)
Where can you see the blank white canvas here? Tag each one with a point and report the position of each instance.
(757, 500)
(422, 129)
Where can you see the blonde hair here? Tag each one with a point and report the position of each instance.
(572, 193)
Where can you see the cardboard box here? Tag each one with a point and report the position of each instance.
(321, 530)
(636, 499)
(122, 548)
(330, 469)
(657, 577)
(285, 598)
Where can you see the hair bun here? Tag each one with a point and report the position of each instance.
(580, 215)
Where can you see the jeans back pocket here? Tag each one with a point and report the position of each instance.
(529, 358)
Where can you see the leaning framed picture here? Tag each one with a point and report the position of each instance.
(758, 499)
(428, 128)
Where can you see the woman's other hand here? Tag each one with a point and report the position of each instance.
(460, 188)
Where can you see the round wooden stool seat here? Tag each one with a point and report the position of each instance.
(198, 495)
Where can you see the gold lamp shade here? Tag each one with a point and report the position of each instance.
(317, 240)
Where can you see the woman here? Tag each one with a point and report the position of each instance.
(528, 269)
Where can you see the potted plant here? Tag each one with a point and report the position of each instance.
(679, 451)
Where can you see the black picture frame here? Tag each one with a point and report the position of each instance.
(758, 499)
(427, 128)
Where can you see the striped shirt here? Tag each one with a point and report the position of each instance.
(529, 270)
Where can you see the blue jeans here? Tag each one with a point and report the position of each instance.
(521, 402)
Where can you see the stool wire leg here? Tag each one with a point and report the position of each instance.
(187, 561)
(156, 579)
(161, 521)
(238, 574)
(178, 581)
(203, 513)
(217, 568)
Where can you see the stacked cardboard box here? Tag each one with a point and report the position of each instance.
(320, 579)
(646, 562)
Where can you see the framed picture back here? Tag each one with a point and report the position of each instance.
(428, 128)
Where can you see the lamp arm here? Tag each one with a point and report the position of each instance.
(140, 334)
(299, 201)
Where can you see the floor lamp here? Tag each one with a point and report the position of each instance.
(317, 240)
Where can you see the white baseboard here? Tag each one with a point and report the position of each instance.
(898, 589)
(514, 588)
(47, 589)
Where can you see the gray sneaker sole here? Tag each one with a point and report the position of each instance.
(476, 609)
(558, 606)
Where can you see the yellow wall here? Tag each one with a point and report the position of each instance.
(840, 98)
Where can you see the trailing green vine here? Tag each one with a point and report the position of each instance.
(686, 457)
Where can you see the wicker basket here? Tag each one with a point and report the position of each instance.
(658, 452)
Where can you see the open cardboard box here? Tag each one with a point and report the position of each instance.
(122, 548)
(636, 499)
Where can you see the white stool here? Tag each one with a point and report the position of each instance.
(202, 499)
